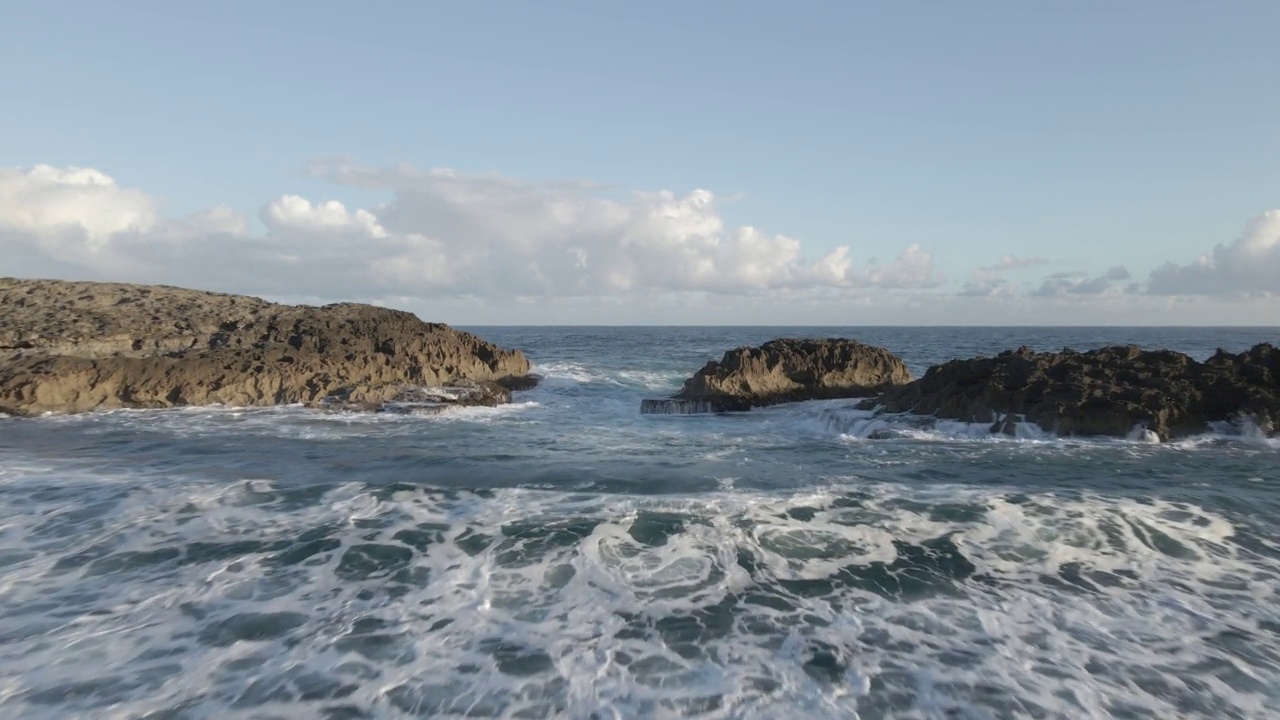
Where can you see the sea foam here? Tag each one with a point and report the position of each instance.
(849, 600)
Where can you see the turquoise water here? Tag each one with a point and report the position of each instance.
(564, 556)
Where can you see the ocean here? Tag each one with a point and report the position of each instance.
(564, 556)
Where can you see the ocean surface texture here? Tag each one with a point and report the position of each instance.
(565, 556)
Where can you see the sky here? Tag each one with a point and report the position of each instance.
(832, 163)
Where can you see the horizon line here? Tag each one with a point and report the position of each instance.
(881, 325)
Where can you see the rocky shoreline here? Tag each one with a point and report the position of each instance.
(68, 347)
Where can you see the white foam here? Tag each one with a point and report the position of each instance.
(483, 413)
(568, 374)
(652, 380)
(853, 425)
(571, 371)
(735, 603)
(1140, 433)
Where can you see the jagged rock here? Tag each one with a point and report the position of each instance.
(1101, 392)
(79, 346)
(786, 371)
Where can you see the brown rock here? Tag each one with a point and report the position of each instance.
(785, 371)
(78, 346)
(1101, 392)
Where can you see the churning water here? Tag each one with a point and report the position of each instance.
(565, 556)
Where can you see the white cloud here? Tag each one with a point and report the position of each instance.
(290, 212)
(84, 199)
(913, 268)
(441, 233)
(564, 239)
(1249, 265)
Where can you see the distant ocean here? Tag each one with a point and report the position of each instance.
(564, 556)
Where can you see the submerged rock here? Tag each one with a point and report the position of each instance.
(1006, 425)
(79, 346)
(1110, 391)
(426, 400)
(672, 406)
(785, 371)
(517, 383)
(888, 433)
(1140, 433)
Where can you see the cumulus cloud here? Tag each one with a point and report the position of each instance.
(78, 222)
(564, 238)
(1249, 265)
(1073, 283)
(913, 268)
(290, 212)
(441, 233)
(83, 200)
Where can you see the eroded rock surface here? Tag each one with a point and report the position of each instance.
(785, 371)
(1110, 391)
(79, 346)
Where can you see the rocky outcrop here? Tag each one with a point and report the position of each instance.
(79, 346)
(785, 371)
(1121, 391)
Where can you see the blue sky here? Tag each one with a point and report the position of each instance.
(1071, 138)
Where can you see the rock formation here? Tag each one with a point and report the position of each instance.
(785, 371)
(79, 346)
(1119, 391)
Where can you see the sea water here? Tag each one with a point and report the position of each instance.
(564, 556)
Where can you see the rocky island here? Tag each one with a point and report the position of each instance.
(68, 347)
(785, 370)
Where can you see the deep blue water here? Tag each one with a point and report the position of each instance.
(565, 556)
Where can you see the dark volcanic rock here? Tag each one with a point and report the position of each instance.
(517, 383)
(673, 406)
(785, 371)
(78, 346)
(1101, 392)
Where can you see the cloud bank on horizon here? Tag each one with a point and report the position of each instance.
(1248, 266)
(492, 240)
